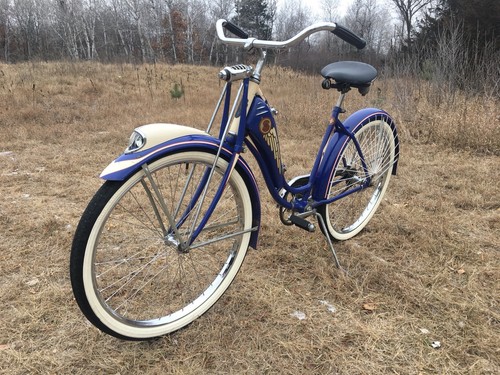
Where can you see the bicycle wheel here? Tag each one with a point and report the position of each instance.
(346, 217)
(130, 277)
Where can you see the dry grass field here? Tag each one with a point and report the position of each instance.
(425, 269)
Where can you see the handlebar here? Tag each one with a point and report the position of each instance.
(229, 26)
(348, 36)
(245, 41)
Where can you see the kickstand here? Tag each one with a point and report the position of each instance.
(330, 244)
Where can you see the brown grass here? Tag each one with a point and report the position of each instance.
(425, 269)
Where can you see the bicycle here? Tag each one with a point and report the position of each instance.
(167, 232)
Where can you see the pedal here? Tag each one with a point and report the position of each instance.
(302, 223)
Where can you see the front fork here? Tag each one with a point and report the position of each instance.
(173, 234)
(182, 242)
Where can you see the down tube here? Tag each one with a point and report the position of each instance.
(262, 140)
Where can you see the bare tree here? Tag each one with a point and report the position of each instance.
(27, 15)
(156, 11)
(69, 27)
(135, 8)
(292, 17)
(117, 13)
(172, 8)
(89, 20)
(329, 9)
(218, 9)
(366, 18)
(5, 28)
(195, 15)
(408, 9)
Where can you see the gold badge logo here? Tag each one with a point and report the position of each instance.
(265, 125)
(271, 137)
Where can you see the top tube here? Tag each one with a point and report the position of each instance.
(249, 43)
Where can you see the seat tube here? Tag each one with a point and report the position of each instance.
(353, 138)
(334, 120)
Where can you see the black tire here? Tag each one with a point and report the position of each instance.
(129, 275)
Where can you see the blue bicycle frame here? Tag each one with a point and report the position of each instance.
(248, 122)
(256, 129)
(261, 138)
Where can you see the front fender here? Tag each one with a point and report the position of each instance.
(338, 141)
(164, 139)
(159, 139)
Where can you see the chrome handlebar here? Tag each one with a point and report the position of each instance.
(250, 43)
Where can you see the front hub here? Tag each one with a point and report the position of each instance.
(171, 241)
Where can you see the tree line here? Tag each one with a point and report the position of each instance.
(183, 31)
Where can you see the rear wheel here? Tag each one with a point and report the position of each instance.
(130, 273)
(346, 217)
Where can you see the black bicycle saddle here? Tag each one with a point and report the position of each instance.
(350, 74)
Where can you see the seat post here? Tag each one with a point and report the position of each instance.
(337, 109)
(340, 100)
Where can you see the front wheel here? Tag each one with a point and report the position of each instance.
(131, 274)
(346, 217)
